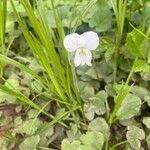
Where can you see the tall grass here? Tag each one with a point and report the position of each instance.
(59, 80)
(119, 7)
(3, 13)
(54, 61)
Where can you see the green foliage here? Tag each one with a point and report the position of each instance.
(45, 101)
(29, 127)
(136, 44)
(122, 92)
(3, 144)
(146, 121)
(68, 146)
(134, 136)
(140, 65)
(147, 14)
(100, 125)
(101, 19)
(30, 143)
(148, 141)
(130, 107)
(89, 141)
(96, 105)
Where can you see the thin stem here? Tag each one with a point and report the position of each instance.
(112, 118)
(131, 72)
(118, 144)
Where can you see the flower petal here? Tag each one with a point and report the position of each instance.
(82, 58)
(77, 59)
(71, 42)
(88, 58)
(89, 40)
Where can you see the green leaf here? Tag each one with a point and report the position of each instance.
(147, 14)
(3, 144)
(145, 76)
(30, 143)
(110, 90)
(101, 70)
(96, 104)
(66, 145)
(11, 83)
(36, 86)
(130, 107)
(101, 19)
(140, 65)
(148, 141)
(146, 121)
(99, 125)
(147, 99)
(86, 147)
(134, 136)
(89, 110)
(135, 44)
(10, 26)
(88, 141)
(139, 91)
(122, 92)
(8, 98)
(100, 100)
(93, 140)
(87, 92)
(74, 133)
(32, 113)
(108, 46)
(30, 126)
(22, 67)
(63, 11)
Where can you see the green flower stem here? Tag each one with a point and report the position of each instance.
(77, 93)
(118, 144)
(131, 72)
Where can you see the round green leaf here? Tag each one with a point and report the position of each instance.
(93, 139)
(66, 145)
(134, 136)
(30, 143)
(146, 121)
(100, 125)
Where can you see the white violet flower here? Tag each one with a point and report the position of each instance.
(82, 45)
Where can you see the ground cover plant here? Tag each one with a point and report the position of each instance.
(74, 75)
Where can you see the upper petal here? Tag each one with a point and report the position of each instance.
(89, 40)
(71, 42)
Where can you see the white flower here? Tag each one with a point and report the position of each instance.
(82, 45)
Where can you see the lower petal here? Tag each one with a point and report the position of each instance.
(88, 58)
(77, 59)
(83, 58)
